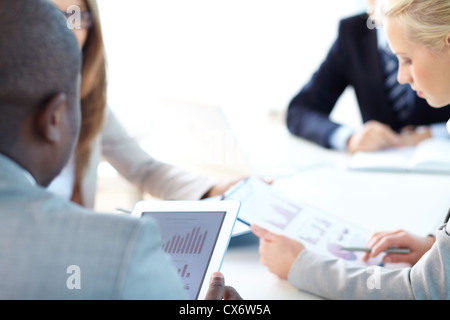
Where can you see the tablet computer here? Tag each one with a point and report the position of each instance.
(195, 234)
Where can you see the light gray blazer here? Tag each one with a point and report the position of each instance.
(332, 278)
(123, 152)
(52, 249)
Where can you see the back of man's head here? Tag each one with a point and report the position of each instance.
(39, 57)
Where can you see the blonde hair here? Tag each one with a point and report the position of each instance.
(427, 21)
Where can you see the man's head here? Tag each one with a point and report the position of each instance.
(40, 66)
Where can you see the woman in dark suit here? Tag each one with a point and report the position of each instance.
(356, 59)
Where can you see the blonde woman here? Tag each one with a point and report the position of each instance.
(392, 115)
(103, 136)
(419, 34)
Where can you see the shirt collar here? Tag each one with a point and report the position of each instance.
(29, 177)
(12, 170)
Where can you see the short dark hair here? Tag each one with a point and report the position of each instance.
(39, 57)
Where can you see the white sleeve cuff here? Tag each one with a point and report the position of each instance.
(339, 137)
(440, 130)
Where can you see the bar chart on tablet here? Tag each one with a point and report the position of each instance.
(189, 243)
(184, 273)
(189, 239)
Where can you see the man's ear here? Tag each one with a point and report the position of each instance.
(49, 118)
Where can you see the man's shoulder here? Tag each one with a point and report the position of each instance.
(42, 209)
(48, 234)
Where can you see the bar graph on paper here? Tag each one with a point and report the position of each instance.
(284, 215)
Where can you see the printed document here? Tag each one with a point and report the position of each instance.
(318, 231)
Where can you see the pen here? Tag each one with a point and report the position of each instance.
(391, 250)
(447, 217)
(244, 222)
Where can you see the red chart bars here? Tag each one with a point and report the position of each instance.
(183, 272)
(190, 243)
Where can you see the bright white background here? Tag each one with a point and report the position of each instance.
(170, 60)
(253, 54)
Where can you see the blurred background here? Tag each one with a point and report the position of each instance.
(180, 72)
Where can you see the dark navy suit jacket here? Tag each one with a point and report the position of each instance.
(354, 60)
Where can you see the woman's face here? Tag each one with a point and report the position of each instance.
(81, 34)
(427, 72)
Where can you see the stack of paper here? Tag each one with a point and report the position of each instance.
(430, 156)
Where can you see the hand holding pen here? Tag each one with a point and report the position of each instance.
(399, 246)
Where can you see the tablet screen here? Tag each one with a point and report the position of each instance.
(189, 238)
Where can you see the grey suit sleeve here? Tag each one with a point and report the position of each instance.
(160, 179)
(336, 279)
(430, 275)
(332, 278)
(147, 273)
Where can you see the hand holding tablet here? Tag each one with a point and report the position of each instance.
(219, 291)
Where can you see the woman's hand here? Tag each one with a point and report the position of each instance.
(381, 241)
(278, 252)
(411, 136)
(373, 136)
